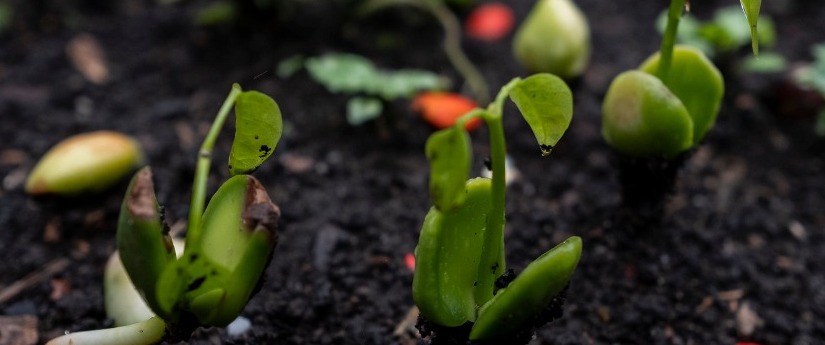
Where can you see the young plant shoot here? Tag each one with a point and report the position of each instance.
(668, 105)
(554, 38)
(228, 244)
(460, 252)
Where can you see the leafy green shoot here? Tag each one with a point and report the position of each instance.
(726, 32)
(358, 76)
(460, 252)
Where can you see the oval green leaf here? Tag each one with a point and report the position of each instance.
(546, 103)
(450, 156)
(698, 84)
(751, 9)
(448, 255)
(258, 128)
(530, 293)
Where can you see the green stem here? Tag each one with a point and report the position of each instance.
(452, 39)
(202, 169)
(493, 261)
(452, 47)
(674, 14)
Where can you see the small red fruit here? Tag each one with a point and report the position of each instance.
(409, 261)
(490, 22)
(442, 109)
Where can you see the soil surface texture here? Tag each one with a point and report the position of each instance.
(735, 256)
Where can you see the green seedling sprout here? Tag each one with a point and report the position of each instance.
(668, 105)
(460, 252)
(554, 38)
(228, 243)
(370, 86)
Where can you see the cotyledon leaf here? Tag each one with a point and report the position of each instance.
(546, 103)
(258, 128)
(447, 258)
(145, 248)
(530, 293)
(450, 156)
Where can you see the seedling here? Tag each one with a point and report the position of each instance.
(554, 38)
(451, 45)
(654, 115)
(86, 162)
(369, 86)
(227, 246)
(460, 252)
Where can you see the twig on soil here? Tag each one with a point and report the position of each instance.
(406, 327)
(33, 278)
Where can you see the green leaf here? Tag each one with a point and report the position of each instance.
(450, 156)
(641, 117)
(448, 255)
(145, 247)
(546, 103)
(530, 293)
(406, 83)
(363, 109)
(6, 15)
(289, 66)
(696, 82)
(767, 62)
(258, 128)
(347, 73)
(353, 74)
(751, 9)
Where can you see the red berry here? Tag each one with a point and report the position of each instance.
(489, 22)
(442, 109)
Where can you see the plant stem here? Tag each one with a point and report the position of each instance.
(494, 233)
(452, 47)
(451, 44)
(669, 39)
(202, 169)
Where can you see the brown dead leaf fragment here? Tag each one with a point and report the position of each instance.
(88, 58)
(747, 320)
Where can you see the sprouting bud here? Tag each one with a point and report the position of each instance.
(84, 162)
(226, 263)
(555, 38)
(641, 117)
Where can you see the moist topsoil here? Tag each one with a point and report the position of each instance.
(735, 253)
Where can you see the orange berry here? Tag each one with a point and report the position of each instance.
(442, 109)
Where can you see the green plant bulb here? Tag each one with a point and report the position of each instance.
(641, 117)
(447, 258)
(225, 264)
(555, 38)
(696, 82)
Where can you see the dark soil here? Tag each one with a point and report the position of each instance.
(737, 255)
